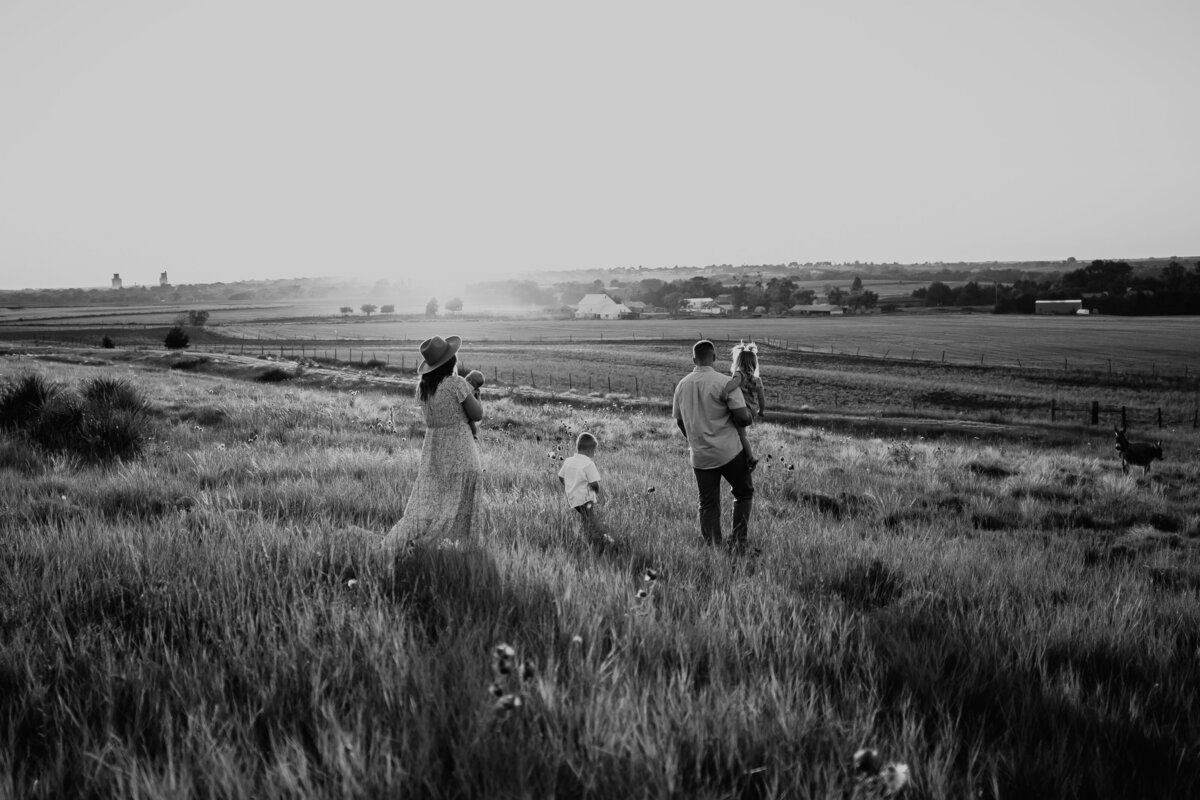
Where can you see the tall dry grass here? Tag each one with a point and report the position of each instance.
(215, 619)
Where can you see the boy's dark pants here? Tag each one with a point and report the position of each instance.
(708, 481)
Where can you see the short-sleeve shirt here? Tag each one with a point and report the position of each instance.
(700, 402)
(577, 472)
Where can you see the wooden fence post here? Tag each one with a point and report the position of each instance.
(1160, 416)
(1124, 420)
(1095, 412)
(1053, 409)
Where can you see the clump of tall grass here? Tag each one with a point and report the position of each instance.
(105, 420)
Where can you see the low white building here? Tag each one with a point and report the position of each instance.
(701, 305)
(600, 306)
(1057, 306)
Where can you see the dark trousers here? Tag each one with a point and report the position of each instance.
(737, 474)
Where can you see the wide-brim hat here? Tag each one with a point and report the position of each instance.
(437, 351)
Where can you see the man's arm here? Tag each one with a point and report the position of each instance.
(595, 487)
(741, 417)
(682, 429)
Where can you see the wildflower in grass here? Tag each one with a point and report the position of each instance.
(577, 640)
(504, 659)
(528, 671)
(642, 594)
(894, 778)
(496, 690)
(649, 490)
(650, 575)
(507, 703)
(350, 584)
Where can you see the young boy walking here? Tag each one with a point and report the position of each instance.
(581, 482)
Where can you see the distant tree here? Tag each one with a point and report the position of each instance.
(369, 308)
(346, 311)
(454, 304)
(856, 286)
(197, 318)
(107, 343)
(939, 294)
(431, 308)
(177, 339)
(388, 309)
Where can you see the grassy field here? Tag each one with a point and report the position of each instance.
(1139, 345)
(214, 618)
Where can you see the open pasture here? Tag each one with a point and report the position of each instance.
(1170, 345)
(214, 617)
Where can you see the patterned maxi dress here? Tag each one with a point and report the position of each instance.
(445, 505)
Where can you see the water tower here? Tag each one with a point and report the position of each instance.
(116, 282)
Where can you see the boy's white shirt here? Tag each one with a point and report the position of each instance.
(577, 472)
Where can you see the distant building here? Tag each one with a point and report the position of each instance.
(116, 281)
(818, 309)
(162, 279)
(1057, 306)
(702, 305)
(600, 306)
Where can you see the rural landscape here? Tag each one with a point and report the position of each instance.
(957, 590)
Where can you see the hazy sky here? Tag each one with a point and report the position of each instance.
(232, 140)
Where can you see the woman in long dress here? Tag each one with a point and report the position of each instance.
(445, 504)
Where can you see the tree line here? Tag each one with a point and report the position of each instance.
(1105, 287)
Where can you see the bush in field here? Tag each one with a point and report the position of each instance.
(104, 421)
(107, 343)
(177, 339)
(115, 393)
(274, 375)
(23, 400)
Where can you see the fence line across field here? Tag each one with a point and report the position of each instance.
(638, 386)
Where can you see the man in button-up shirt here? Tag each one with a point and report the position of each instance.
(707, 417)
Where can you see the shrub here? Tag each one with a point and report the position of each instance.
(274, 375)
(375, 363)
(58, 426)
(116, 393)
(112, 433)
(107, 343)
(105, 420)
(177, 339)
(23, 400)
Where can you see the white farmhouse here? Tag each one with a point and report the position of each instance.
(600, 306)
(702, 305)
